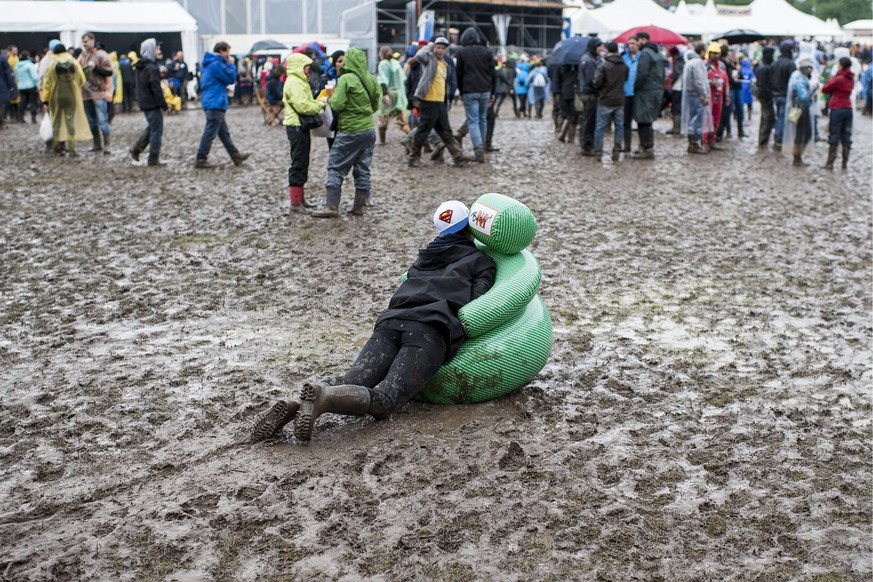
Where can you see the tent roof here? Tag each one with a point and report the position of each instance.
(39, 16)
(866, 24)
(621, 15)
(779, 18)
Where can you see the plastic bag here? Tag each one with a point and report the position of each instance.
(45, 128)
(794, 114)
(323, 130)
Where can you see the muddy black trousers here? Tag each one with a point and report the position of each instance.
(300, 144)
(396, 362)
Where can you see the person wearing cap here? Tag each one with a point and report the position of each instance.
(417, 334)
(429, 97)
(150, 97)
(648, 94)
(718, 92)
(586, 96)
(609, 82)
(765, 96)
(780, 74)
(798, 115)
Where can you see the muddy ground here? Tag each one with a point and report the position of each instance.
(705, 415)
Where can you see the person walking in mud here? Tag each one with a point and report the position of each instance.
(417, 334)
(62, 94)
(150, 96)
(216, 72)
(97, 91)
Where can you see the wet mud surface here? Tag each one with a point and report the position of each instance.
(705, 414)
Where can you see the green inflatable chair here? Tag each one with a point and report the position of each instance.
(509, 330)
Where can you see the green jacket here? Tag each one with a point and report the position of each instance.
(296, 92)
(357, 94)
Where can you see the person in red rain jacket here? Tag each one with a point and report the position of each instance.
(840, 88)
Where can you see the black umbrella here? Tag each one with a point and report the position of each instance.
(740, 36)
(266, 45)
(569, 51)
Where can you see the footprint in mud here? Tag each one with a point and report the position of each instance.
(514, 459)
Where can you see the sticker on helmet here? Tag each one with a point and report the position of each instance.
(482, 218)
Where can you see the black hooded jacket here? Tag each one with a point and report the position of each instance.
(780, 73)
(475, 64)
(588, 66)
(762, 75)
(447, 275)
(149, 93)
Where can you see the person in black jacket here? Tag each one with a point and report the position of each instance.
(765, 96)
(477, 78)
(780, 73)
(567, 79)
(151, 100)
(586, 99)
(128, 81)
(417, 334)
(609, 82)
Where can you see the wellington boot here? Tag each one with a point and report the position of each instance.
(270, 423)
(457, 153)
(798, 161)
(361, 197)
(327, 211)
(98, 144)
(134, 153)
(238, 158)
(295, 193)
(383, 131)
(616, 154)
(106, 145)
(437, 154)
(316, 399)
(643, 154)
(479, 155)
(845, 152)
(202, 164)
(832, 157)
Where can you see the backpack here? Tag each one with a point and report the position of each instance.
(539, 80)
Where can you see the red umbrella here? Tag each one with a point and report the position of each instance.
(657, 35)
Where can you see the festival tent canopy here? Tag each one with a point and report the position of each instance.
(620, 15)
(71, 19)
(769, 17)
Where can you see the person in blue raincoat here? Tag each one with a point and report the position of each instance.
(519, 102)
(747, 75)
(538, 90)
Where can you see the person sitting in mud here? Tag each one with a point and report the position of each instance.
(418, 333)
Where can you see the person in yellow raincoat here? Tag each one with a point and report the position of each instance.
(117, 86)
(62, 92)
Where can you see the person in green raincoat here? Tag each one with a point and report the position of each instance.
(62, 92)
(354, 101)
(391, 80)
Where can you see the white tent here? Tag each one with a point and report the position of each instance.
(620, 15)
(779, 18)
(71, 19)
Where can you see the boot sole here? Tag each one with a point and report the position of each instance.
(272, 422)
(305, 420)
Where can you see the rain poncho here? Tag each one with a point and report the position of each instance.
(390, 74)
(746, 75)
(696, 116)
(117, 84)
(798, 133)
(62, 90)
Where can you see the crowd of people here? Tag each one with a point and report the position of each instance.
(706, 90)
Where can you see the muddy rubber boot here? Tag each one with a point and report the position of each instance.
(383, 131)
(202, 163)
(407, 142)
(134, 153)
(832, 157)
(98, 144)
(330, 209)
(106, 145)
(270, 423)
(462, 132)
(627, 142)
(316, 399)
(695, 147)
(644, 154)
(71, 150)
(437, 155)
(845, 152)
(295, 193)
(616, 154)
(798, 158)
(238, 158)
(479, 155)
(457, 153)
(361, 197)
